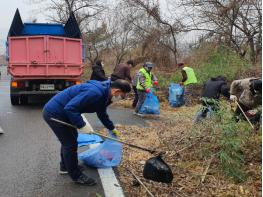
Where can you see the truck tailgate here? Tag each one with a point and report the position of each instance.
(45, 56)
(45, 70)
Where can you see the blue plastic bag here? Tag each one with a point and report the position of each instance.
(151, 104)
(176, 95)
(107, 154)
(86, 139)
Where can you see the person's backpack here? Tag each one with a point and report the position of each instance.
(176, 95)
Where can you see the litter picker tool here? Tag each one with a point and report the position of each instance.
(245, 115)
(138, 179)
(104, 136)
(154, 169)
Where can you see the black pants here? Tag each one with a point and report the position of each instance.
(141, 99)
(135, 101)
(69, 145)
(238, 110)
(208, 108)
(238, 113)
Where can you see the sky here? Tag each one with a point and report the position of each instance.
(7, 11)
(29, 11)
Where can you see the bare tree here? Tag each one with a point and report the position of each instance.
(96, 41)
(237, 23)
(167, 29)
(142, 24)
(84, 10)
(120, 33)
(87, 13)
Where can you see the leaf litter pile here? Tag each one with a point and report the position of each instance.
(195, 174)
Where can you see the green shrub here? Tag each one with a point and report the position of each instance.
(233, 137)
(219, 61)
(228, 142)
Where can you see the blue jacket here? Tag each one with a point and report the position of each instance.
(89, 97)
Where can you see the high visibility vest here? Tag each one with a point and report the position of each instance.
(191, 78)
(148, 79)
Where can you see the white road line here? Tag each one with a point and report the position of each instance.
(1, 130)
(109, 181)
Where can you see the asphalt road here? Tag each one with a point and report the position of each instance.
(29, 151)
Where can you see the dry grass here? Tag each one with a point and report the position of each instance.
(175, 134)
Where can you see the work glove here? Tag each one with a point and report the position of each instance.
(86, 129)
(155, 83)
(147, 90)
(233, 98)
(251, 113)
(116, 132)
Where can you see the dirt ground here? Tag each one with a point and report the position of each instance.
(173, 132)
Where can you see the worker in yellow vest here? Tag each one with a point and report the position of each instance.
(144, 83)
(188, 81)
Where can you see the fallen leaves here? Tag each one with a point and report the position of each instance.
(173, 132)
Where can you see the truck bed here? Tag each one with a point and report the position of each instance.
(45, 56)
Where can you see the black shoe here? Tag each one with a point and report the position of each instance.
(63, 170)
(84, 180)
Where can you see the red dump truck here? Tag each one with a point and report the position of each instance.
(43, 59)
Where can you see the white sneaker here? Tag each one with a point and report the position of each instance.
(63, 170)
(139, 114)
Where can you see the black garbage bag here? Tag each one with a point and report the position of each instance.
(156, 169)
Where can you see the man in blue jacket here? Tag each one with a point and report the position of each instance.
(90, 97)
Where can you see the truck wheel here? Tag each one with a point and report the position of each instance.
(14, 100)
(24, 100)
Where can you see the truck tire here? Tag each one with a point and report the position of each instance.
(24, 100)
(14, 100)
